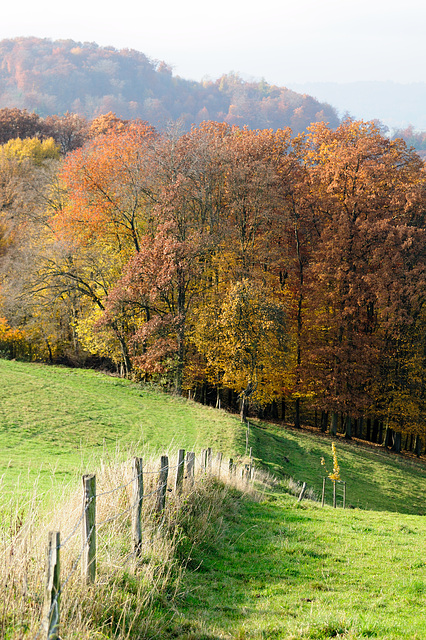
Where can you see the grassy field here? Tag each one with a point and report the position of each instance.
(55, 421)
(375, 478)
(296, 572)
(268, 568)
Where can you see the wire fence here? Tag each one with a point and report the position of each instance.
(120, 505)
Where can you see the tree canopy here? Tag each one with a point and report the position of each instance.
(226, 262)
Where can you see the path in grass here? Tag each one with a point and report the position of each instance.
(57, 419)
(287, 572)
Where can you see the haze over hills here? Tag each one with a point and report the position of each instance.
(396, 105)
(54, 77)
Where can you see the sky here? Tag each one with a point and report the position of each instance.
(284, 42)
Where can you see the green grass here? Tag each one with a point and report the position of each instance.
(56, 421)
(305, 572)
(375, 478)
(279, 570)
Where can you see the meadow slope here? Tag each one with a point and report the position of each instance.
(269, 568)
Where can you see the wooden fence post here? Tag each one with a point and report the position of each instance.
(51, 598)
(162, 484)
(88, 560)
(344, 495)
(323, 491)
(219, 463)
(137, 497)
(179, 470)
(203, 460)
(334, 493)
(190, 464)
(302, 493)
(231, 466)
(209, 460)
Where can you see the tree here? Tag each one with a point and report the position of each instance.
(168, 271)
(69, 131)
(244, 340)
(19, 123)
(367, 190)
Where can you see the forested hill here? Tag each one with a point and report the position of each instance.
(55, 77)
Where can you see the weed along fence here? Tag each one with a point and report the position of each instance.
(140, 490)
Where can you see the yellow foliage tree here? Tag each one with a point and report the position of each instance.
(245, 342)
(32, 149)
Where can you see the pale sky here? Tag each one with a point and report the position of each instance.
(284, 42)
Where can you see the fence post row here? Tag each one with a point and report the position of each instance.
(89, 529)
(179, 471)
(51, 598)
(51, 608)
(137, 498)
(162, 484)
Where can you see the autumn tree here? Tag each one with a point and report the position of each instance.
(245, 342)
(70, 131)
(170, 268)
(366, 190)
(19, 123)
(101, 219)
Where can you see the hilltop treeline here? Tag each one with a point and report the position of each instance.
(56, 77)
(233, 264)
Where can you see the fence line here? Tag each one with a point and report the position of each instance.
(185, 471)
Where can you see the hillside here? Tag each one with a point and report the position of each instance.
(396, 105)
(55, 418)
(225, 563)
(54, 77)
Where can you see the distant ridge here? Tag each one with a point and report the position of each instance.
(58, 76)
(396, 105)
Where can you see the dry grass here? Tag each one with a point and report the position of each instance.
(129, 587)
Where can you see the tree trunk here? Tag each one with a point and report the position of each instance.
(375, 432)
(244, 396)
(388, 438)
(274, 410)
(324, 421)
(297, 414)
(283, 409)
(333, 426)
(127, 365)
(243, 410)
(348, 427)
(380, 440)
(418, 446)
(180, 359)
(397, 442)
(368, 434)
